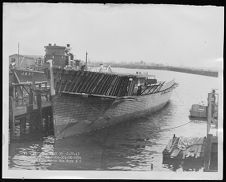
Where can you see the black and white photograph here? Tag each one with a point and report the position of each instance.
(112, 91)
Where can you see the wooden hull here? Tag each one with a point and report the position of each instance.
(74, 115)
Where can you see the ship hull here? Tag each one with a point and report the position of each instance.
(75, 115)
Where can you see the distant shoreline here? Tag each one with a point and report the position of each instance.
(171, 68)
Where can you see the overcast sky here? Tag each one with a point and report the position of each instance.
(167, 34)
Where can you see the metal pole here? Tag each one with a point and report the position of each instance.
(18, 55)
(86, 58)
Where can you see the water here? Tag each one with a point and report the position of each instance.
(134, 145)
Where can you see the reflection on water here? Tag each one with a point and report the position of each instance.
(132, 145)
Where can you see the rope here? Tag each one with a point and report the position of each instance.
(176, 126)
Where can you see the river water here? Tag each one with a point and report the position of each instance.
(133, 145)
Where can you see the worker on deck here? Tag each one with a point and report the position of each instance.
(101, 68)
(109, 69)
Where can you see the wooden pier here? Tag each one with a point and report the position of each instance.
(202, 151)
(185, 151)
(30, 110)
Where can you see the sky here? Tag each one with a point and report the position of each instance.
(177, 35)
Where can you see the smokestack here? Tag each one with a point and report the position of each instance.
(86, 58)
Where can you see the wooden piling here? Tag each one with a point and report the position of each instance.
(11, 117)
(39, 105)
(31, 101)
(48, 124)
(209, 112)
(22, 126)
(30, 109)
(207, 153)
(33, 122)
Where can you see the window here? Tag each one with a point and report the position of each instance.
(13, 60)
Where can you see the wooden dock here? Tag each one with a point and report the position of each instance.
(184, 148)
(201, 152)
(185, 152)
(30, 109)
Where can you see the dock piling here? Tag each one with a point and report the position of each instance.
(11, 117)
(22, 126)
(39, 105)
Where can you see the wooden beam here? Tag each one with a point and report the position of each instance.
(96, 86)
(111, 85)
(93, 82)
(28, 83)
(95, 95)
(74, 81)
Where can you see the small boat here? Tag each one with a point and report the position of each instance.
(198, 111)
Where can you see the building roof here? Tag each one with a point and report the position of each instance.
(28, 56)
(55, 47)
